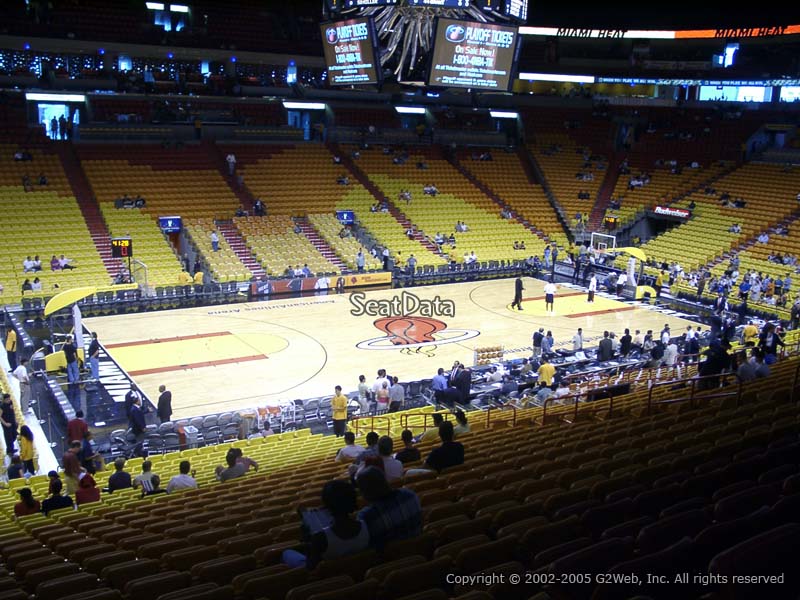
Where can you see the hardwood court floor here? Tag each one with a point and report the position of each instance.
(222, 358)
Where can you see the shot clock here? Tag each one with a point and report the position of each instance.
(121, 247)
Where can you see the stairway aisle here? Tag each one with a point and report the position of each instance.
(316, 239)
(231, 233)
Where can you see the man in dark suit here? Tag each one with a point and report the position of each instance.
(461, 379)
(625, 343)
(605, 350)
(164, 404)
(518, 294)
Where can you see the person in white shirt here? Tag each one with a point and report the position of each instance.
(64, 263)
(36, 285)
(323, 283)
(763, 238)
(549, 295)
(385, 256)
(184, 481)
(214, 241)
(494, 375)
(231, 160)
(577, 341)
(592, 288)
(665, 335)
(379, 381)
(350, 451)
(24, 379)
(392, 468)
(671, 354)
(621, 281)
(27, 265)
(472, 258)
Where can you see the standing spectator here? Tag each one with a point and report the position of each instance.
(94, 357)
(62, 127)
(605, 349)
(26, 505)
(71, 356)
(339, 411)
(769, 340)
(391, 514)
(11, 347)
(137, 420)
(23, 377)
(363, 395)
(231, 160)
(8, 419)
(72, 466)
(119, 479)
(164, 408)
(77, 427)
(625, 343)
(549, 295)
(88, 456)
(385, 255)
(537, 343)
(577, 341)
(183, 481)
(547, 344)
(671, 354)
(87, 490)
(382, 397)
(54, 128)
(26, 451)
(546, 371)
(360, 261)
(397, 395)
(214, 241)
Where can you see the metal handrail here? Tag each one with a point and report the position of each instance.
(692, 383)
(354, 423)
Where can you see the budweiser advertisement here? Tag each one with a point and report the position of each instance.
(668, 211)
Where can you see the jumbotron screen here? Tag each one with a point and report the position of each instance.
(350, 52)
(473, 55)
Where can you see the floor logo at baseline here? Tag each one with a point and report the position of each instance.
(407, 322)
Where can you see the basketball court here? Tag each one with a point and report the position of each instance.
(223, 358)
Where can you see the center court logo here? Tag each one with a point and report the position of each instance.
(409, 323)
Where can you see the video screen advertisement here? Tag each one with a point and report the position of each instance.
(350, 52)
(473, 55)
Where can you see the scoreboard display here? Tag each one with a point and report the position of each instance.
(512, 9)
(468, 54)
(365, 3)
(350, 52)
(441, 3)
(121, 247)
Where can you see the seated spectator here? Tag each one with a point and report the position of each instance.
(36, 285)
(392, 468)
(763, 238)
(409, 453)
(16, 468)
(145, 477)
(243, 460)
(391, 514)
(65, 263)
(351, 450)
(27, 505)
(232, 471)
(462, 424)
(337, 160)
(27, 286)
(87, 490)
(735, 228)
(522, 245)
(27, 265)
(449, 454)
(182, 481)
(345, 535)
(544, 392)
(119, 479)
(56, 500)
(155, 487)
(42, 179)
(343, 180)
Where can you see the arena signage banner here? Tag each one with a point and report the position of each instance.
(668, 211)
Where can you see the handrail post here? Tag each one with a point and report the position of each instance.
(739, 394)
(650, 400)
(575, 415)
(691, 394)
(488, 418)
(611, 405)
(514, 418)
(544, 413)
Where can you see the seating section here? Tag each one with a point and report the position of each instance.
(224, 264)
(662, 189)
(490, 236)
(504, 175)
(45, 221)
(561, 160)
(346, 248)
(150, 245)
(277, 247)
(770, 197)
(674, 490)
(388, 231)
(181, 182)
(296, 181)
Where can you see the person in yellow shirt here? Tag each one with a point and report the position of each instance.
(26, 449)
(546, 372)
(184, 278)
(198, 278)
(659, 283)
(11, 348)
(339, 408)
(750, 334)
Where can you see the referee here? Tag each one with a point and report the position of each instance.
(518, 294)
